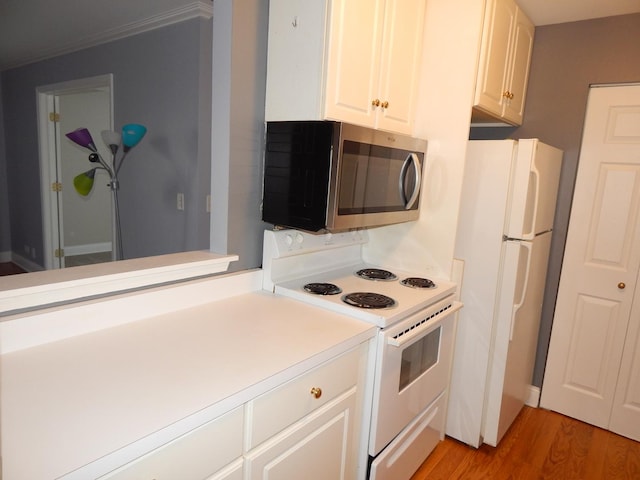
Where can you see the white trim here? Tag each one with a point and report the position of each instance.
(196, 9)
(45, 96)
(25, 263)
(53, 287)
(87, 248)
(533, 400)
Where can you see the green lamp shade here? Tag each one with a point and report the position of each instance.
(132, 134)
(83, 183)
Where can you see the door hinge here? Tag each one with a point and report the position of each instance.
(54, 117)
(59, 253)
(56, 187)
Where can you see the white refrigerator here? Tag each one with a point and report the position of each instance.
(504, 236)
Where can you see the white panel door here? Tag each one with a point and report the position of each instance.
(594, 335)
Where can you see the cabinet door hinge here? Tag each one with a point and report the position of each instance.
(56, 187)
(54, 117)
(59, 252)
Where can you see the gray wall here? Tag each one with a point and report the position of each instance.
(239, 78)
(567, 58)
(158, 81)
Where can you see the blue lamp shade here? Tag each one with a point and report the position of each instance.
(82, 137)
(83, 183)
(132, 134)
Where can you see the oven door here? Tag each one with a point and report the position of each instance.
(413, 366)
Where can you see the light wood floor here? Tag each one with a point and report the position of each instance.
(539, 445)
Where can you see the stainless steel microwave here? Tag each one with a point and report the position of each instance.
(324, 175)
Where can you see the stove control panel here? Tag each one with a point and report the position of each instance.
(296, 242)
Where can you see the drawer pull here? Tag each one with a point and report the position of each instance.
(316, 392)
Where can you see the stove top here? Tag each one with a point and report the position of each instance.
(328, 271)
(403, 302)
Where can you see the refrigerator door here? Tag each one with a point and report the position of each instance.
(534, 189)
(479, 244)
(516, 333)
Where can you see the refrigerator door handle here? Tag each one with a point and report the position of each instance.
(534, 184)
(522, 296)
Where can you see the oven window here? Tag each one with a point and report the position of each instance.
(419, 357)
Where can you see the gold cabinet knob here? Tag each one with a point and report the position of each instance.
(375, 103)
(384, 104)
(622, 285)
(508, 95)
(316, 392)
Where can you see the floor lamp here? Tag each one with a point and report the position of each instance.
(83, 183)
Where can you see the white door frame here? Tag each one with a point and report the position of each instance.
(45, 96)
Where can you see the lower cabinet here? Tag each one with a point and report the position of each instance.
(195, 455)
(316, 448)
(309, 427)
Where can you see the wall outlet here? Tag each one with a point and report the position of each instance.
(180, 201)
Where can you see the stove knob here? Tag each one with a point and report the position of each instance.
(299, 238)
(288, 239)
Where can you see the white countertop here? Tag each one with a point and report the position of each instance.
(70, 402)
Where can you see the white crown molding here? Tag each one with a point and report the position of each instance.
(201, 8)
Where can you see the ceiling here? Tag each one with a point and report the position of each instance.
(547, 12)
(31, 30)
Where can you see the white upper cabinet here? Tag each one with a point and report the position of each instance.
(503, 67)
(355, 61)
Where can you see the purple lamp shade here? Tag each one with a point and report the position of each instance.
(82, 137)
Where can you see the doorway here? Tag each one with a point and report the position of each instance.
(78, 230)
(593, 366)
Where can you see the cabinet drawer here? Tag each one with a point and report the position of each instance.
(282, 406)
(195, 455)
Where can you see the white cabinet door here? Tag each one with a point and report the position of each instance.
(353, 63)
(505, 56)
(319, 447)
(519, 69)
(400, 65)
(195, 455)
(591, 370)
(493, 67)
(234, 471)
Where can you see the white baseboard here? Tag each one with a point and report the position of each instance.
(534, 397)
(25, 263)
(70, 250)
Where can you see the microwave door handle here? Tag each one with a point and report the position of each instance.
(413, 159)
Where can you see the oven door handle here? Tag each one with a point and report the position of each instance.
(413, 159)
(419, 329)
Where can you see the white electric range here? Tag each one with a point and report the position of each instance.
(414, 346)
